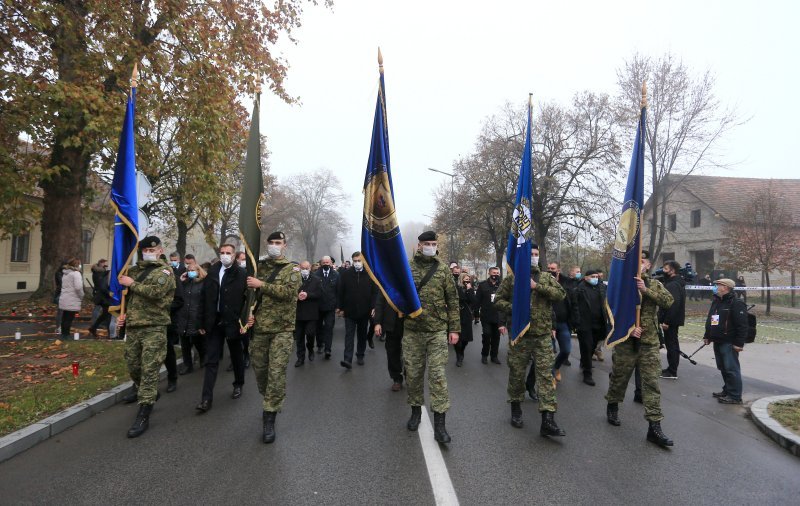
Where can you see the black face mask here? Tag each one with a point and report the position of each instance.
(455, 276)
(495, 277)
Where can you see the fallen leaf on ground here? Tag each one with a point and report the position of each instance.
(61, 355)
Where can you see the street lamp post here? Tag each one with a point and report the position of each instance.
(450, 217)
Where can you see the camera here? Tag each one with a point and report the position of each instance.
(686, 273)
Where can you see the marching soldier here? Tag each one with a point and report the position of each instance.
(273, 337)
(641, 349)
(537, 341)
(151, 286)
(423, 341)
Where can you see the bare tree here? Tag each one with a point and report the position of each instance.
(685, 122)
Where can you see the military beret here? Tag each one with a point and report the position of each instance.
(534, 245)
(275, 236)
(645, 255)
(150, 241)
(430, 235)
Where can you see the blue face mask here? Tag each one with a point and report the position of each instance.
(592, 281)
(578, 275)
(714, 289)
(174, 264)
(191, 274)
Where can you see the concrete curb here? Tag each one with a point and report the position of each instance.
(771, 427)
(19, 441)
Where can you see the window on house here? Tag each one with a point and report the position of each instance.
(696, 218)
(672, 222)
(86, 241)
(20, 246)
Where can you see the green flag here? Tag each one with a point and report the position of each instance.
(250, 205)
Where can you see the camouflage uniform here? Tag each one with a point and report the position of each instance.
(146, 321)
(425, 337)
(644, 352)
(273, 335)
(535, 341)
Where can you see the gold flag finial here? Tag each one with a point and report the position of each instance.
(135, 75)
(644, 94)
(258, 83)
(380, 60)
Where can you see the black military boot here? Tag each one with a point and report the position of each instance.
(587, 377)
(549, 427)
(439, 431)
(657, 436)
(269, 427)
(416, 416)
(612, 414)
(142, 421)
(131, 397)
(516, 414)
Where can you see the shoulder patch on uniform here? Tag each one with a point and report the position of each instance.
(167, 272)
(294, 277)
(162, 280)
(296, 268)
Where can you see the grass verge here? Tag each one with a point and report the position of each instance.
(787, 413)
(36, 377)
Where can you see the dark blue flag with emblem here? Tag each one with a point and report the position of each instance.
(518, 252)
(623, 300)
(125, 203)
(381, 244)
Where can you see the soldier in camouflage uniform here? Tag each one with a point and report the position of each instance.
(537, 341)
(426, 336)
(641, 349)
(151, 286)
(273, 336)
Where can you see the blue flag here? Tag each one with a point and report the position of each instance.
(126, 208)
(381, 244)
(623, 300)
(518, 252)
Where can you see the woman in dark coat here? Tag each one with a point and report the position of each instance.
(190, 317)
(466, 299)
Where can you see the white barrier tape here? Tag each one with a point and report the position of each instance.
(746, 288)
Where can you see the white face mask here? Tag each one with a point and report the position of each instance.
(149, 257)
(305, 272)
(358, 265)
(226, 259)
(243, 263)
(534, 261)
(429, 251)
(273, 250)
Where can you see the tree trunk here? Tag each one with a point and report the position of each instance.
(180, 243)
(769, 293)
(793, 281)
(762, 284)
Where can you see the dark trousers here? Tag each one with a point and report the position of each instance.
(325, 323)
(304, 333)
(189, 340)
(170, 360)
(673, 349)
(67, 317)
(394, 355)
(215, 342)
(587, 341)
(490, 339)
(104, 320)
(460, 346)
(351, 326)
(728, 364)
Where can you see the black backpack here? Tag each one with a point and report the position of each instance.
(751, 325)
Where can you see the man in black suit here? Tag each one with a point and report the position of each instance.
(492, 321)
(356, 300)
(223, 299)
(307, 313)
(329, 282)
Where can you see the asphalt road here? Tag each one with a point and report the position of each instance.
(341, 439)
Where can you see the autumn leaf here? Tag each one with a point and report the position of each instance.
(61, 355)
(90, 372)
(57, 342)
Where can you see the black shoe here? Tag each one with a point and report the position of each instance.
(204, 406)
(549, 427)
(268, 435)
(237, 392)
(612, 414)
(532, 395)
(439, 431)
(666, 374)
(202, 361)
(637, 397)
(371, 343)
(728, 400)
(346, 365)
(247, 362)
(327, 355)
(310, 356)
(183, 369)
(567, 363)
(131, 397)
(484, 360)
(495, 360)
(172, 386)
(416, 416)
(459, 360)
(360, 360)
(657, 436)
(723, 393)
(230, 367)
(299, 362)
(516, 414)
(93, 332)
(142, 421)
(319, 351)
(587, 378)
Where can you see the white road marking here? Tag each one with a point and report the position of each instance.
(443, 491)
